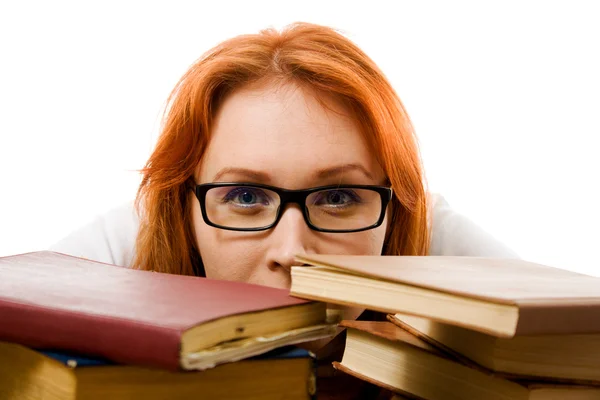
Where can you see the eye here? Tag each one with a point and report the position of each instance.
(337, 198)
(246, 196)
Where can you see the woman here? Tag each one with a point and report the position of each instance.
(296, 109)
(273, 145)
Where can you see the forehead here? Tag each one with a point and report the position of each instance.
(288, 134)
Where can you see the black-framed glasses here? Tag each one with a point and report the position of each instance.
(251, 207)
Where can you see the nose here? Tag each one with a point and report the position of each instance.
(291, 236)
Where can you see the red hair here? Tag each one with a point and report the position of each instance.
(305, 54)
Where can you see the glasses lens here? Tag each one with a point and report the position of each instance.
(344, 208)
(241, 206)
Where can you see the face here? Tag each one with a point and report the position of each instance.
(282, 136)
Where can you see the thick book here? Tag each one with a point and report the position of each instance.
(51, 300)
(29, 374)
(386, 355)
(574, 358)
(501, 297)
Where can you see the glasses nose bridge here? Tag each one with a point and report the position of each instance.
(293, 197)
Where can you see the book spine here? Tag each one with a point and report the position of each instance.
(122, 341)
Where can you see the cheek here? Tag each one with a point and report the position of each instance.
(360, 243)
(224, 256)
(370, 242)
(225, 262)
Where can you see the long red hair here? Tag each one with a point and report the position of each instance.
(308, 55)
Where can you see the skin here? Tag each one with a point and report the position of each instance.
(281, 135)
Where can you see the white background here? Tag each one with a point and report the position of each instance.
(505, 98)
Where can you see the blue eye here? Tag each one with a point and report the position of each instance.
(246, 196)
(337, 198)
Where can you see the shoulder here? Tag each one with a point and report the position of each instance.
(108, 238)
(453, 234)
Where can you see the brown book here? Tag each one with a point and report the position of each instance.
(568, 358)
(501, 297)
(51, 300)
(28, 374)
(386, 355)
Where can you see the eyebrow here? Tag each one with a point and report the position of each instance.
(324, 173)
(245, 172)
(341, 169)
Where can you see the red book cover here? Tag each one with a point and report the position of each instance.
(53, 301)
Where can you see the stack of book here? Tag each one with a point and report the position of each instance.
(76, 329)
(463, 327)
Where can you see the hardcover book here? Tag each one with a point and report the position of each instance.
(569, 358)
(386, 355)
(26, 374)
(501, 297)
(54, 301)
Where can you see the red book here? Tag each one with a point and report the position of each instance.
(54, 301)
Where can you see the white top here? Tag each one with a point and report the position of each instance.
(110, 238)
